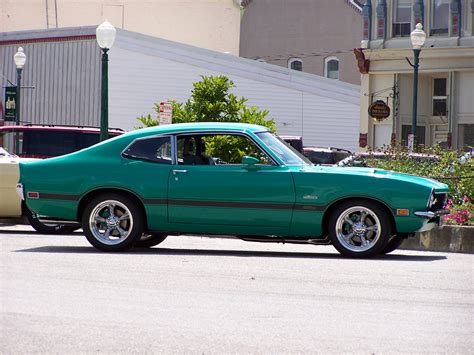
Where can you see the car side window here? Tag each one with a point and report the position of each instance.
(156, 149)
(218, 149)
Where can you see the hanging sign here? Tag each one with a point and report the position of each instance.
(166, 113)
(379, 110)
(10, 103)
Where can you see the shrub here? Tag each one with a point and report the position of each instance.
(447, 166)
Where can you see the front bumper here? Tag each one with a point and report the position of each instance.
(433, 219)
(431, 214)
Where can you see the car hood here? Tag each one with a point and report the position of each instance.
(377, 174)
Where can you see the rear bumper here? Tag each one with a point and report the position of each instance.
(19, 190)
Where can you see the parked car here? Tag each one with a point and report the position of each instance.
(226, 178)
(12, 208)
(327, 156)
(295, 141)
(44, 141)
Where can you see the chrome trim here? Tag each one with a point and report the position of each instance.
(20, 191)
(58, 221)
(430, 214)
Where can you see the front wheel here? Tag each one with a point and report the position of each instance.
(112, 222)
(359, 228)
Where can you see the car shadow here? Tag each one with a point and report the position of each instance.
(234, 253)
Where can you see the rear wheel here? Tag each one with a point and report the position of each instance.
(112, 222)
(47, 228)
(359, 228)
(148, 240)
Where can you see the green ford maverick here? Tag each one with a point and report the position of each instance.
(226, 179)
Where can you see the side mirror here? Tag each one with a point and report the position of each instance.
(250, 161)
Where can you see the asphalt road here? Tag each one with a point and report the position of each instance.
(214, 296)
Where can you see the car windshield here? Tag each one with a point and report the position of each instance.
(283, 150)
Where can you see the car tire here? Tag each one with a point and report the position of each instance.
(148, 240)
(393, 244)
(112, 222)
(359, 228)
(41, 227)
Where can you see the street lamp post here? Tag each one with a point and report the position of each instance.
(20, 59)
(418, 38)
(105, 35)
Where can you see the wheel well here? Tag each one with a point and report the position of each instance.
(90, 195)
(334, 205)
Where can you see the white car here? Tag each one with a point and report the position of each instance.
(12, 209)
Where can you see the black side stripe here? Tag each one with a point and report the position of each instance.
(202, 203)
(194, 203)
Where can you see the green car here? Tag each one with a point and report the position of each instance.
(226, 179)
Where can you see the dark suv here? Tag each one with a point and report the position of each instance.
(44, 141)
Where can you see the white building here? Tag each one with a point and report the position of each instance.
(64, 67)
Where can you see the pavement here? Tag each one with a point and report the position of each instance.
(59, 295)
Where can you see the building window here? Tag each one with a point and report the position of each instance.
(466, 136)
(295, 64)
(331, 68)
(420, 134)
(439, 97)
(439, 17)
(402, 18)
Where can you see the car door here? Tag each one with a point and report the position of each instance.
(230, 192)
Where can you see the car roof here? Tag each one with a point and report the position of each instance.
(34, 127)
(199, 127)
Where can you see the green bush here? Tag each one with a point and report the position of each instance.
(211, 101)
(448, 166)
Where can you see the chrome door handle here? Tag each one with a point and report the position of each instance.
(179, 171)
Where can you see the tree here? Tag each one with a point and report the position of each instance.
(211, 101)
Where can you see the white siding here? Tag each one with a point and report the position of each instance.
(138, 80)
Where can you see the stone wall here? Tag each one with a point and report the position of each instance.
(456, 239)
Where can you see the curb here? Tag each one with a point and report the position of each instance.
(454, 239)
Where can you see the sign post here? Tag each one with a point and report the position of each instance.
(10, 103)
(166, 113)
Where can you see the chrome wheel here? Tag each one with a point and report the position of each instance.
(111, 222)
(358, 229)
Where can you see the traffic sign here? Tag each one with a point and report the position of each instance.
(166, 113)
